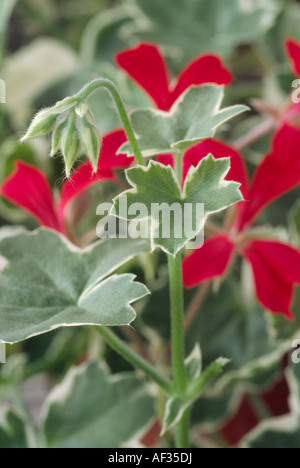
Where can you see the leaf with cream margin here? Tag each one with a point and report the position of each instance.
(156, 189)
(195, 116)
(282, 432)
(48, 283)
(91, 409)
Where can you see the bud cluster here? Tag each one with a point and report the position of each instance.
(73, 128)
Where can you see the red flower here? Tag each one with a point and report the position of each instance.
(293, 51)
(275, 266)
(29, 189)
(147, 67)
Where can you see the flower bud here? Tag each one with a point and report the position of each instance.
(63, 106)
(70, 143)
(91, 140)
(42, 124)
(57, 134)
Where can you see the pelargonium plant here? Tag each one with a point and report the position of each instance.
(177, 173)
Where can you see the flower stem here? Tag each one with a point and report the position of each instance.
(178, 345)
(137, 361)
(182, 430)
(177, 325)
(113, 90)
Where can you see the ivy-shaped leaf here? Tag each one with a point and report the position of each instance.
(157, 193)
(204, 25)
(91, 409)
(48, 283)
(194, 117)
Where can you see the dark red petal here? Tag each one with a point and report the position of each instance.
(276, 269)
(109, 159)
(241, 423)
(82, 179)
(146, 66)
(278, 173)
(28, 188)
(205, 69)
(238, 171)
(208, 262)
(293, 50)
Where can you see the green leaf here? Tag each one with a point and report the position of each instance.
(193, 363)
(175, 409)
(48, 283)
(156, 184)
(12, 430)
(91, 409)
(204, 25)
(282, 432)
(226, 325)
(6, 8)
(177, 406)
(194, 117)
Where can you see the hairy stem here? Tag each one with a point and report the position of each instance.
(113, 90)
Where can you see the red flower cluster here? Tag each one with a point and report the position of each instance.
(28, 187)
(275, 266)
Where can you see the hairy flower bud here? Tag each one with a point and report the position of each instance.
(57, 134)
(42, 124)
(70, 143)
(91, 140)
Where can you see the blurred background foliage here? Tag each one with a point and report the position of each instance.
(48, 50)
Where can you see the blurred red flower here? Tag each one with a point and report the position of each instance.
(147, 67)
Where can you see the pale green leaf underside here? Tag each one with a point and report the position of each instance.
(93, 410)
(156, 184)
(49, 283)
(204, 25)
(194, 117)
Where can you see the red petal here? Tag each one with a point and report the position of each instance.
(109, 159)
(146, 66)
(166, 159)
(276, 268)
(293, 50)
(208, 262)
(238, 171)
(205, 69)
(81, 180)
(28, 188)
(276, 175)
(241, 423)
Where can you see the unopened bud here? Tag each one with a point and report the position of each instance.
(91, 141)
(64, 105)
(42, 124)
(57, 134)
(70, 143)
(82, 109)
